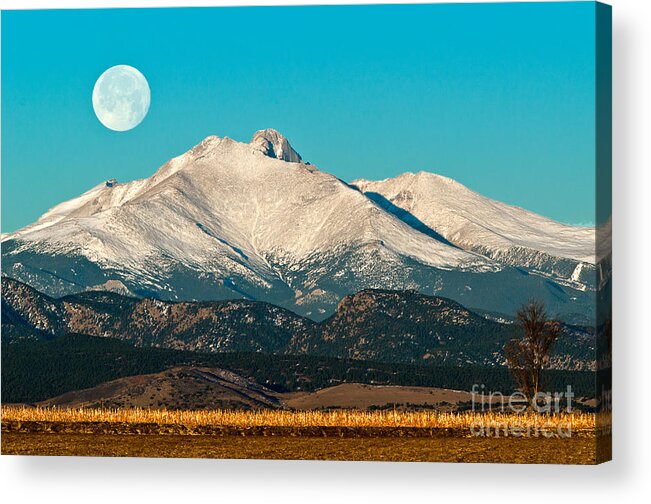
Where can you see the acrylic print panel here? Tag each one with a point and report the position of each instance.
(342, 232)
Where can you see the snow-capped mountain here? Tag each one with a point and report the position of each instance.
(231, 220)
(507, 234)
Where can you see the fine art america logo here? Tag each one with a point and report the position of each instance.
(516, 415)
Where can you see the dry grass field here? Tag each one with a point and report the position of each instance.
(289, 418)
(280, 434)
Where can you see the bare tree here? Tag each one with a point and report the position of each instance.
(527, 357)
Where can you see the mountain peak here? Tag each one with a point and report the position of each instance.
(273, 144)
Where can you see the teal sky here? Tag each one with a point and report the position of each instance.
(497, 96)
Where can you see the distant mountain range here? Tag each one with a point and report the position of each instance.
(375, 325)
(230, 220)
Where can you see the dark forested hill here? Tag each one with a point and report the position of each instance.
(34, 370)
(378, 325)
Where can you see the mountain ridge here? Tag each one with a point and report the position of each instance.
(505, 233)
(374, 324)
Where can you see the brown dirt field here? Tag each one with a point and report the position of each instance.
(576, 450)
(357, 395)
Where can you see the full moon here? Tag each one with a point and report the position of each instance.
(121, 98)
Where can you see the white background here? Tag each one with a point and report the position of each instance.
(627, 478)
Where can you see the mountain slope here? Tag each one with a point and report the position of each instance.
(384, 325)
(184, 387)
(505, 233)
(219, 326)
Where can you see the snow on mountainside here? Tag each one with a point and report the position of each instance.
(505, 233)
(225, 198)
(252, 220)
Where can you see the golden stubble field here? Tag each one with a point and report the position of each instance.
(326, 435)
